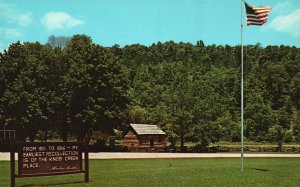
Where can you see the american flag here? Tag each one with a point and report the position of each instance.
(257, 15)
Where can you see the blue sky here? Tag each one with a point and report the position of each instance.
(124, 22)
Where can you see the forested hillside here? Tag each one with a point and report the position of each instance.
(191, 90)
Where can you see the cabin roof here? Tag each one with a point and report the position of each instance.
(143, 129)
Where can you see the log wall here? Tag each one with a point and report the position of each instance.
(142, 142)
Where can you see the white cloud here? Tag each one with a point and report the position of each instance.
(9, 33)
(282, 8)
(12, 14)
(289, 23)
(59, 20)
(25, 19)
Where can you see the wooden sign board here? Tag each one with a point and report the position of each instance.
(49, 158)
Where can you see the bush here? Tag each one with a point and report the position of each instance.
(288, 136)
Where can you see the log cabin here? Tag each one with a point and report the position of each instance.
(145, 137)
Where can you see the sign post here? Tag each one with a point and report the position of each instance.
(86, 163)
(12, 165)
(49, 158)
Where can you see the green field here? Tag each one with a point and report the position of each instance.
(174, 172)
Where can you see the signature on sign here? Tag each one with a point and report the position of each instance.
(61, 168)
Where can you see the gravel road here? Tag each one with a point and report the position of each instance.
(106, 155)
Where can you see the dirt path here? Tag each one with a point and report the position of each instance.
(105, 155)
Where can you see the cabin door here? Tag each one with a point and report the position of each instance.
(151, 142)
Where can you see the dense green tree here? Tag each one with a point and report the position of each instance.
(192, 91)
(277, 134)
(180, 102)
(97, 86)
(296, 132)
(259, 116)
(25, 99)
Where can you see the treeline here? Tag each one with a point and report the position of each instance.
(191, 90)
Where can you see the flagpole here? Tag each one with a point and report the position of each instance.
(242, 90)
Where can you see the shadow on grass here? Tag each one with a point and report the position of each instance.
(258, 169)
(52, 184)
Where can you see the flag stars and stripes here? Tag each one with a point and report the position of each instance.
(257, 15)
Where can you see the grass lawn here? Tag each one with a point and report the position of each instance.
(174, 172)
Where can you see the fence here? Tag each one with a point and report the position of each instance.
(7, 135)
